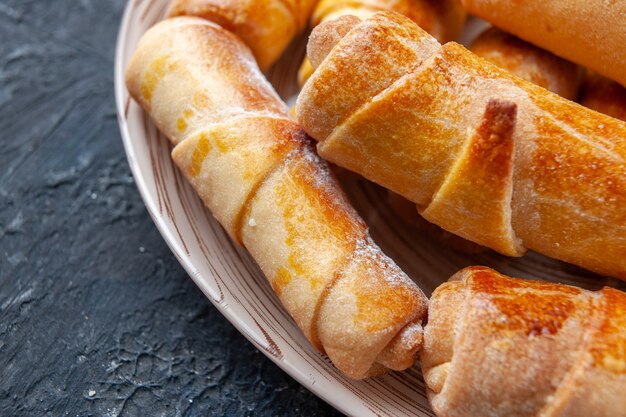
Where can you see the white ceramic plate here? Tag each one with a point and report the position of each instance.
(234, 284)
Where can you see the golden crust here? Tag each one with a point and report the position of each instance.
(443, 19)
(375, 310)
(243, 150)
(335, 98)
(311, 231)
(563, 348)
(589, 32)
(165, 77)
(266, 26)
(526, 61)
(257, 172)
(484, 167)
(416, 115)
(322, 41)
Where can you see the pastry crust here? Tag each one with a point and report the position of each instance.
(443, 19)
(395, 106)
(529, 62)
(266, 26)
(591, 33)
(500, 346)
(258, 173)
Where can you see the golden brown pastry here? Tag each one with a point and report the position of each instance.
(525, 61)
(529, 62)
(266, 26)
(483, 154)
(603, 95)
(499, 346)
(591, 33)
(257, 172)
(441, 18)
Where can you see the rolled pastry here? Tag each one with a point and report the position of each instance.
(499, 346)
(529, 62)
(255, 169)
(482, 153)
(266, 26)
(591, 33)
(525, 61)
(441, 18)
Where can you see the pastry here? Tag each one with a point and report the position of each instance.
(441, 18)
(500, 346)
(266, 26)
(529, 62)
(591, 33)
(255, 169)
(482, 153)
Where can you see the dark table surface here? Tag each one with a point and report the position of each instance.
(96, 315)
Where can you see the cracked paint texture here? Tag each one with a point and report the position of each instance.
(97, 318)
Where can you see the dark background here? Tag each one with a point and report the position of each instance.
(96, 315)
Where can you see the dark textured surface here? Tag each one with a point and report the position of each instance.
(96, 315)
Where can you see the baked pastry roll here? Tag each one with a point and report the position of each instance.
(441, 18)
(256, 170)
(482, 153)
(529, 62)
(500, 346)
(266, 26)
(591, 33)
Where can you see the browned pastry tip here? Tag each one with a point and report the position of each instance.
(485, 169)
(529, 62)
